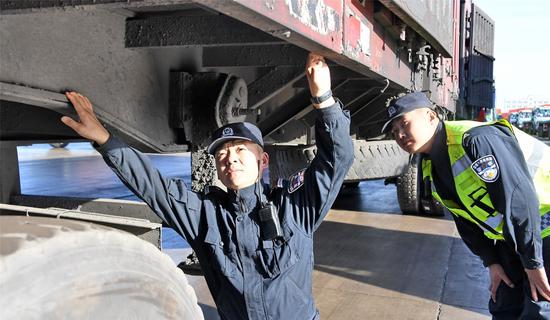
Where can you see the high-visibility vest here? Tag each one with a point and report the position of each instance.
(476, 205)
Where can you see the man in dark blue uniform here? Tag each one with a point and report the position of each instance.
(255, 246)
(497, 190)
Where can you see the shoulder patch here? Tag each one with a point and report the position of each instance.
(296, 180)
(486, 168)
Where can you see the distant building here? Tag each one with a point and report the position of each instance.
(530, 101)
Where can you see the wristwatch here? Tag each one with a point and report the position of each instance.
(322, 98)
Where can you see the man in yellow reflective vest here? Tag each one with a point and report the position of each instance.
(495, 180)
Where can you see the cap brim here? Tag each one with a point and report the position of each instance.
(218, 142)
(387, 124)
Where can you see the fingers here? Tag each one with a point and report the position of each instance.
(534, 292)
(545, 293)
(76, 102)
(497, 275)
(87, 102)
(310, 73)
(538, 283)
(88, 125)
(542, 284)
(506, 280)
(314, 60)
(493, 289)
(76, 126)
(80, 102)
(544, 289)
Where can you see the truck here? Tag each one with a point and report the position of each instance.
(164, 74)
(525, 119)
(513, 118)
(541, 120)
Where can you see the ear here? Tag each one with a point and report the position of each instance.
(265, 160)
(432, 115)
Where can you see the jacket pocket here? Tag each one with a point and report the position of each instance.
(178, 191)
(219, 252)
(277, 256)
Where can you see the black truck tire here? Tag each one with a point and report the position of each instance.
(373, 160)
(284, 160)
(408, 188)
(377, 160)
(67, 269)
(413, 197)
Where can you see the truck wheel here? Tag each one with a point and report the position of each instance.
(66, 269)
(408, 188)
(373, 160)
(377, 160)
(286, 160)
(413, 196)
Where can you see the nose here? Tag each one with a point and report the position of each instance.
(401, 134)
(231, 156)
(398, 134)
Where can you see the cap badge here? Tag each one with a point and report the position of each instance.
(227, 132)
(392, 111)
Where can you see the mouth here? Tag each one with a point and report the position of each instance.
(229, 172)
(406, 143)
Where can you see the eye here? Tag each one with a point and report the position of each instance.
(221, 154)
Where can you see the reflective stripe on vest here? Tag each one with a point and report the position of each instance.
(476, 205)
(488, 223)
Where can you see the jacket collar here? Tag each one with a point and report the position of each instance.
(440, 142)
(246, 199)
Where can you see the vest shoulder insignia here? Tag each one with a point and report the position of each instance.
(486, 168)
(296, 181)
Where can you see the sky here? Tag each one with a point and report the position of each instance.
(522, 48)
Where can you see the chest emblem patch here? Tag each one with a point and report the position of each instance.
(296, 181)
(486, 168)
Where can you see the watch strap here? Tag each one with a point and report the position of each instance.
(322, 98)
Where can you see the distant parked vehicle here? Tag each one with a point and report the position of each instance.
(525, 120)
(513, 118)
(541, 120)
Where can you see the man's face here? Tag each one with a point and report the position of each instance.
(239, 163)
(414, 130)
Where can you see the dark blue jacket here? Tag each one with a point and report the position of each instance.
(249, 278)
(513, 193)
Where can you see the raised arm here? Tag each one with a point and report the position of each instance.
(169, 199)
(324, 176)
(318, 78)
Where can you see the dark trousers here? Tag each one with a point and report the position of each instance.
(517, 303)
